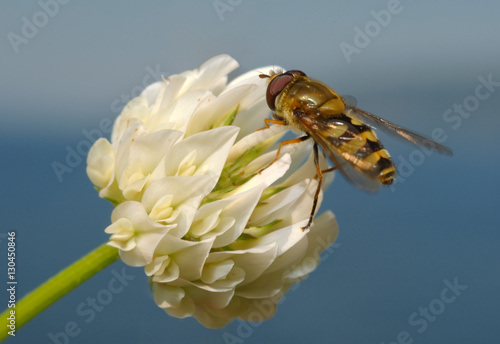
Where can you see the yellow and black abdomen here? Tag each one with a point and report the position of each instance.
(344, 138)
(360, 142)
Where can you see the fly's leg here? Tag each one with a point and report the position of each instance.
(331, 169)
(276, 121)
(284, 143)
(319, 174)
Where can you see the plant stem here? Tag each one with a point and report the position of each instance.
(58, 286)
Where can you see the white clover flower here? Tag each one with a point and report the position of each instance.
(218, 239)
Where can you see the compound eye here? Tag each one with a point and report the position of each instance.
(276, 85)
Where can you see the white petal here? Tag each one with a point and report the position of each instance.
(297, 212)
(162, 269)
(147, 233)
(167, 296)
(322, 235)
(215, 271)
(231, 279)
(211, 148)
(212, 74)
(207, 299)
(207, 218)
(178, 115)
(151, 92)
(240, 209)
(266, 177)
(308, 169)
(254, 261)
(237, 208)
(112, 192)
(140, 159)
(100, 163)
(259, 93)
(122, 234)
(187, 193)
(135, 111)
(282, 201)
(212, 108)
(265, 286)
(171, 89)
(188, 255)
(252, 117)
(294, 150)
(252, 76)
(284, 238)
(173, 300)
(148, 150)
(272, 134)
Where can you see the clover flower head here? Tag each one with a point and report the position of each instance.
(218, 237)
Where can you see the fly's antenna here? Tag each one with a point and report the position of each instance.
(275, 70)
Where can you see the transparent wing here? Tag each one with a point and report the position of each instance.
(393, 129)
(350, 171)
(349, 100)
(343, 143)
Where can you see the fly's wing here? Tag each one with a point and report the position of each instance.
(348, 146)
(349, 100)
(393, 129)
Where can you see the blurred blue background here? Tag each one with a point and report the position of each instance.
(65, 68)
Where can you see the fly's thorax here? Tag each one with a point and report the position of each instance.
(304, 96)
(309, 95)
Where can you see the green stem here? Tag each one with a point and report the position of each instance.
(58, 286)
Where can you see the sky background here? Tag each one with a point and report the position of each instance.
(397, 249)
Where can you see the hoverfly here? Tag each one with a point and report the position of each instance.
(343, 131)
